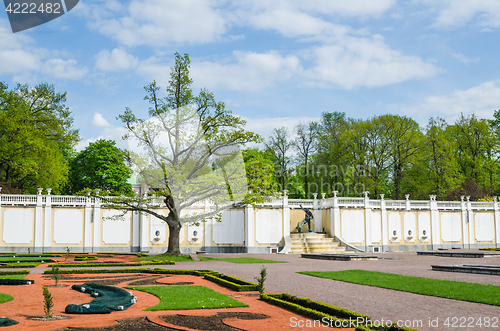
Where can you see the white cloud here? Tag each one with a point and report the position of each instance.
(251, 72)
(99, 122)
(481, 100)
(64, 69)
(265, 126)
(154, 69)
(157, 22)
(369, 62)
(108, 133)
(18, 56)
(464, 59)
(117, 59)
(455, 13)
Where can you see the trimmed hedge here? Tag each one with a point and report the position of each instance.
(231, 282)
(85, 257)
(336, 316)
(199, 272)
(19, 265)
(319, 306)
(14, 272)
(120, 264)
(119, 253)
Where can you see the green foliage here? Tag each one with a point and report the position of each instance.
(36, 137)
(191, 153)
(5, 297)
(473, 292)
(177, 258)
(67, 254)
(118, 264)
(259, 167)
(14, 272)
(55, 273)
(85, 258)
(188, 297)
(196, 272)
(102, 166)
(261, 279)
(231, 282)
(48, 302)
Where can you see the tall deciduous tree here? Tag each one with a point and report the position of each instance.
(36, 135)
(279, 144)
(306, 144)
(101, 166)
(191, 154)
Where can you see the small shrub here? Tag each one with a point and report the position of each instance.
(67, 254)
(55, 272)
(261, 279)
(48, 303)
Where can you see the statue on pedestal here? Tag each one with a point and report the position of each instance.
(308, 218)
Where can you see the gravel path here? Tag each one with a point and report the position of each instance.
(418, 311)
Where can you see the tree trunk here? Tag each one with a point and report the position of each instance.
(174, 229)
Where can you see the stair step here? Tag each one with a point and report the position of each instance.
(310, 242)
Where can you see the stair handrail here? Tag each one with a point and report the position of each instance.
(346, 244)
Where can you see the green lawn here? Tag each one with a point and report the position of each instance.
(188, 297)
(5, 297)
(13, 277)
(164, 258)
(481, 293)
(240, 260)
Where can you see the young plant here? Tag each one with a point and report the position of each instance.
(55, 272)
(48, 303)
(67, 254)
(260, 280)
(29, 250)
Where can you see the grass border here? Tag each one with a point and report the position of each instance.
(441, 288)
(14, 272)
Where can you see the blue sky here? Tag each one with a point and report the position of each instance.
(275, 63)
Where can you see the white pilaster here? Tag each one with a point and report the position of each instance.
(465, 225)
(250, 224)
(385, 225)
(497, 220)
(470, 220)
(318, 221)
(87, 228)
(207, 235)
(368, 220)
(47, 220)
(336, 215)
(38, 221)
(435, 224)
(97, 223)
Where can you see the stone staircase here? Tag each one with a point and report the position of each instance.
(310, 242)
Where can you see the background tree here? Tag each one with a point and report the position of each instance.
(305, 144)
(102, 166)
(36, 136)
(191, 153)
(279, 144)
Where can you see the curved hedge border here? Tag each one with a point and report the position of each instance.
(119, 253)
(85, 257)
(196, 272)
(232, 283)
(124, 264)
(319, 310)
